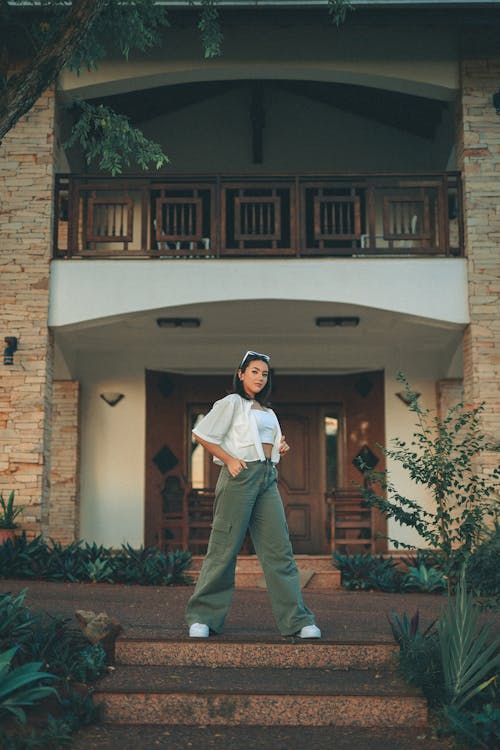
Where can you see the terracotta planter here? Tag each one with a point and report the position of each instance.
(6, 534)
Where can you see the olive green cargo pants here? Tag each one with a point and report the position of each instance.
(250, 500)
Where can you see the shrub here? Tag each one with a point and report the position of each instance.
(469, 654)
(41, 639)
(419, 656)
(63, 649)
(455, 664)
(480, 728)
(51, 561)
(8, 513)
(20, 686)
(440, 456)
(365, 572)
(423, 579)
(483, 565)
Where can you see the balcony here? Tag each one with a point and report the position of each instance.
(410, 215)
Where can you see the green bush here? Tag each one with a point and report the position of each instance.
(8, 513)
(51, 561)
(483, 565)
(479, 728)
(365, 572)
(20, 686)
(63, 649)
(419, 655)
(423, 579)
(30, 640)
(469, 654)
(456, 666)
(441, 458)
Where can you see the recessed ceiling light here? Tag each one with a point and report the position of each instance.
(343, 322)
(178, 322)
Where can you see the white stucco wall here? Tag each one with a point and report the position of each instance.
(433, 288)
(112, 455)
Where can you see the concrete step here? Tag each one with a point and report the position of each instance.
(227, 696)
(135, 737)
(316, 572)
(246, 563)
(215, 653)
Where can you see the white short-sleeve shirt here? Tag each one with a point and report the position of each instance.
(231, 424)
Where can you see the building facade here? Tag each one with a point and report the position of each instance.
(332, 199)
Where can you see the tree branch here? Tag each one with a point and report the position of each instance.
(24, 88)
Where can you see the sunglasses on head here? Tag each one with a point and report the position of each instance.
(255, 355)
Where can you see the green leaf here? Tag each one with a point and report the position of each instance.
(469, 654)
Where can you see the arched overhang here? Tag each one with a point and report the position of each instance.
(431, 289)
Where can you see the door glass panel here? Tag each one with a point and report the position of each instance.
(331, 433)
(197, 460)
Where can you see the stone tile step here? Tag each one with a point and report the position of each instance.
(216, 653)
(315, 573)
(135, 737)
(247, 563)
(259, 697)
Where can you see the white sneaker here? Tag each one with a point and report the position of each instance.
(310, 631)
(197, 630)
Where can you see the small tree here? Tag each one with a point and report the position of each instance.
(439, 457)
(47, 36)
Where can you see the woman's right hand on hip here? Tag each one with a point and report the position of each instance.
(235, 466)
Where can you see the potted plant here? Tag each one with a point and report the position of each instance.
(8, 515)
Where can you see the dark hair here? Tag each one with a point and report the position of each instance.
(262, 396)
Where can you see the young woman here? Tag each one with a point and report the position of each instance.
(243, 435)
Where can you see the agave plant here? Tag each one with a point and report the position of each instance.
(470, 655)
(8, 513)
(422, 578)
(19, 686)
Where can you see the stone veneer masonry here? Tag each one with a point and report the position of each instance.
(26, 187)
(478, 156)
(64, 502)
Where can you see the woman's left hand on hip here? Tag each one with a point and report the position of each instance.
(284, 447)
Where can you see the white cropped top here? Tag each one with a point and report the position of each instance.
(266, 425)
(232, 423)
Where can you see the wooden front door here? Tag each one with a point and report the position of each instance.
(301, 480)
(327, 420)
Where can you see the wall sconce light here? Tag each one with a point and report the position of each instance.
(8, 352)
(112, 398)
(404, 398)
(178, 322)
(496, 102)
(342, 322)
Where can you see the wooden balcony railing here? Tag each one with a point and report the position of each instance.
(245, 216)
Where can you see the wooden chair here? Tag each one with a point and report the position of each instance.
(200, 503)
(173, 521)
(186, 520)
(351, 522)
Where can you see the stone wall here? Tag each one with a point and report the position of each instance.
(64, 506)
(478, 156)
(26, 185)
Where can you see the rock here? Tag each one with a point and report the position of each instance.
(99, 628)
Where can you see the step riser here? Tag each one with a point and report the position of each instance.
(182, 654)
(326, 580)
(262, 710)
(255, 579)
(252, 564)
